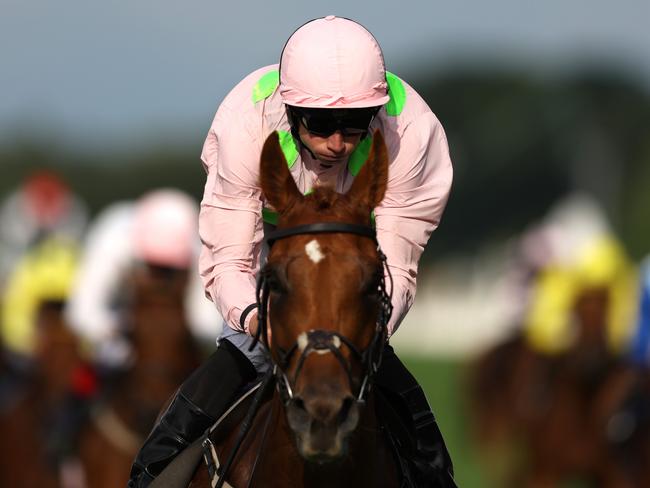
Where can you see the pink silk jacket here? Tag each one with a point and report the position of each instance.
(231, 224)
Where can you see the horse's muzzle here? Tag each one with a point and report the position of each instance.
(321, 424)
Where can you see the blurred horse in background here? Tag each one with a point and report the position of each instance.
(164, 353)
(573, 436)
(27, 458)
(569, 410)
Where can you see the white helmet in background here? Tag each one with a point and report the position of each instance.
(165, 228)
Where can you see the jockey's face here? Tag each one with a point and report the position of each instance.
(332, 134)
(332, 149)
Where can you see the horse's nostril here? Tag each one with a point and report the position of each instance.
(348, 402)
(299, 403)
(299, 418)
(348, 417)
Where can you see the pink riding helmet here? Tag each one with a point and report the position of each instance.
(333, 63)
(165, 228)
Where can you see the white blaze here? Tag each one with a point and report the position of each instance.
(313, 251)
(303, 340)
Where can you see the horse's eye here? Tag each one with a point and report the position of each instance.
(275, 284)
(371, 286)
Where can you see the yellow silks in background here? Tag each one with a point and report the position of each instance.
(44, 274)
(600, 263)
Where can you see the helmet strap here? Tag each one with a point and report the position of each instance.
(294, 124)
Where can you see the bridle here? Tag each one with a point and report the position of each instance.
(320, 340)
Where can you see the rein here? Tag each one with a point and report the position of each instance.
(319, 340)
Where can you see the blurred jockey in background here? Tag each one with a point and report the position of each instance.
(554, 241)
(45, 274)
(640, 346)
(160, 229)
(600, 262)
(43, 205)
(33, 330)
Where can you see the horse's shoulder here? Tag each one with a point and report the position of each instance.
(224, 427)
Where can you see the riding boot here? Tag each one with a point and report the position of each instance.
(430, 463)
(200, 400)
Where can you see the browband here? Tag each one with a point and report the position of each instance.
(322, 228)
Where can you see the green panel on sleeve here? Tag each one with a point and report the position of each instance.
(266, 85)
(397, 94)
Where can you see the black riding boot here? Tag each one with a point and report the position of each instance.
(431, 465)
(201, 399)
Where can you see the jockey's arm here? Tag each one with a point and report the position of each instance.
(420, 177)
(230, 222)
(106, 258)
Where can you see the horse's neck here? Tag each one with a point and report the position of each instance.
(53, 378)
(164, 354)
(163, 337)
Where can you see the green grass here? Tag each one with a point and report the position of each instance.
(442, 382)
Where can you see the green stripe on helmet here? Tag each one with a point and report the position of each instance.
(397, 94)
(266, 85)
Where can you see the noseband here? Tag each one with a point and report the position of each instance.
(322, 341)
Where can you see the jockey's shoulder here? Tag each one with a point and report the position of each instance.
(243, 95)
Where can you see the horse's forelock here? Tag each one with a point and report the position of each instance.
(326, 202)
(324, 198)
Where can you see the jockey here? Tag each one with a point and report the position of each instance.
(42, 206)
(44, 274)
(160, 228)
(600, 262)
(325, 99)
(43, 280)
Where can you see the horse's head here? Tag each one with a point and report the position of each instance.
(57, 351)
(156, 305)
(164, 351)
(327, 304)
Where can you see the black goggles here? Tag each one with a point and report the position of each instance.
(326, 121)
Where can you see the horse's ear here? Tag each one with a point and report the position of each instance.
(369, 186)
(278, 185)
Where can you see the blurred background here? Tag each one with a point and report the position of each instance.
(538, 258)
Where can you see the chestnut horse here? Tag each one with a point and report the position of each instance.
(323, 287)
(570, 410)
(24, 457)
(164, 354)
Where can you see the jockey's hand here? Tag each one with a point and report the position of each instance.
(252, 327)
